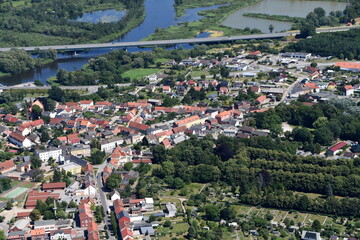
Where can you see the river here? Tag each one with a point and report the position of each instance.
(161, 14)
(292, 8)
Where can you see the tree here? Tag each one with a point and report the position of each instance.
(228, 213)
(271, 28)
(8, 205)
(35, 162)
(307, 29)
(159, 153)
(313, 64)
(167, 223)
(56, 93)
(320, 12)
(2, 235)
(36, 111)
(38, 175)
(61, 214)
(44, 137)
(38, 83)
(56, 142)
(72, 204)
(316, 225)
(57, 176)
(212, 213)
(128, 166)
(95, 144)
(113, 181)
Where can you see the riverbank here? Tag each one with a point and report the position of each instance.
(212, 20)
(44, 32)
(133, 23)
(281, 18)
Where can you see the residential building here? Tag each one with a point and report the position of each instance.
(45, 155)
(335, 148)
(19, 140)
(109, 145)
(7, 166)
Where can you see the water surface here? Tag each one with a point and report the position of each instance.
(292, 8)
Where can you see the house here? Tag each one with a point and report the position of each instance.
(20, 225)
(19, 140)
(307, 235)
(139, 127)
(38, 234)
(86, 104)
(106, 173)
(170, 210)
(7, 166)
(64, 234)
(47, 225)
(223, 90)
(85, 215)
(335, 148)
(261, 99)
(17, 235)
(109, 145)
(188, 122)
(114, 195)
(348, 90)
(166, 89)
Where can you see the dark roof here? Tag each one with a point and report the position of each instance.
(355, 148)
(76, 160)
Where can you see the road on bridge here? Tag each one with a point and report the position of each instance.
(175, 41)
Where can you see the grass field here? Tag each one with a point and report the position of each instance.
(140, 73)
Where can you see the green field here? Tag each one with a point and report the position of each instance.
(140, 73)
(15, 192)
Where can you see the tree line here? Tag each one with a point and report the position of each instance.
(266, 177)
(338, 44)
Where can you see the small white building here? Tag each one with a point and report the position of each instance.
(114, 195)
(109, 145)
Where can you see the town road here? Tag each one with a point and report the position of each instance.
(100, 189)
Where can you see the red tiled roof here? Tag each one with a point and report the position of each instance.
(261, 98)
(179, 129)
(86, 102)
(17, 136)
(348, 87)
(56, 185)
(23, 214)
(139, 126)
(54, 121)
(37, 232)
(35, 123)
(7, 165)
(187, 120)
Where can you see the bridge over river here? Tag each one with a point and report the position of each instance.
(172, 42)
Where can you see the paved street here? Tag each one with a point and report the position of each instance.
(104, 203)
